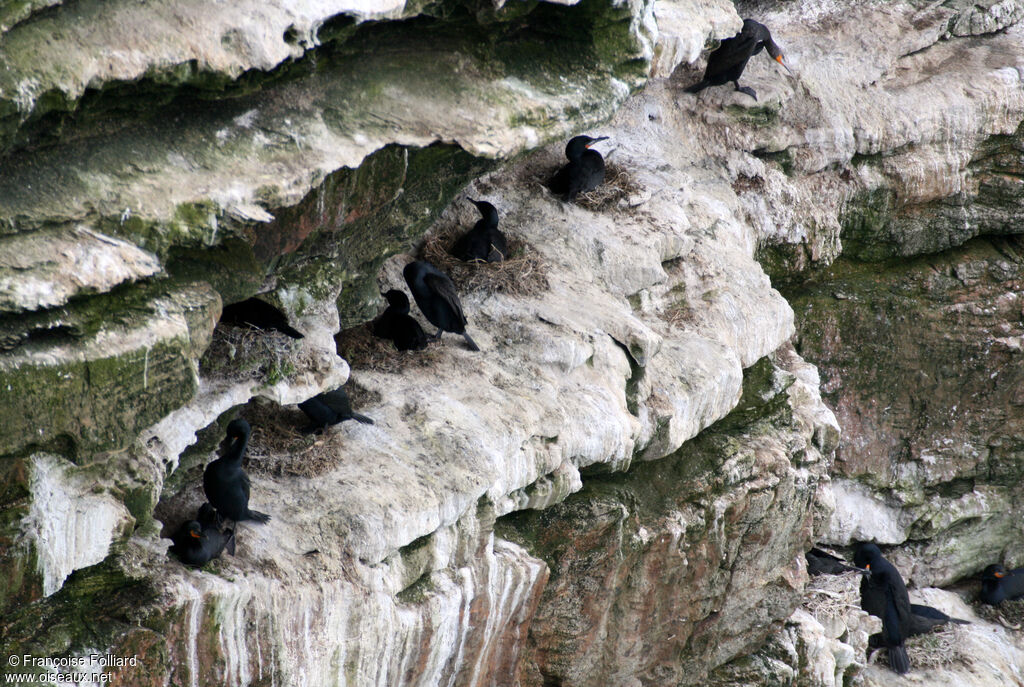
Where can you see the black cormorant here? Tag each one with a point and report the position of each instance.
(225, 482)
(883, 594)
(484, 242)
(201, 540)
(397, 324)
(999, 584)
(330, 408)
(728, 62)
(820, 562)
(435, 294)
(585, 170)
(259, 314)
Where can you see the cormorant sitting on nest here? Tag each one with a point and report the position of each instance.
(999, 584)
(730, 59)
(820, 562)
(585, 170)
(259, 314)
(201, 540)
(330, 408)
(397, 324)
(225, 482)
(435, 294)
(484, 242)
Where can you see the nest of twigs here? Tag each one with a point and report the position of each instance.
(238, 354)
(1009, 614)
(364, 351)
(832, 596)
(278, 447)
(523, 272)
(943, 647)
(616, 190)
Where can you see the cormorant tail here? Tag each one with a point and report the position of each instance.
(229, 546)
(291, 331)
(362, 418)
(257, 516)
(469, 342)
(898, 659)
(699, 86)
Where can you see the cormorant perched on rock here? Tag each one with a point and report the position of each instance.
(225, 482)
(999, 584)
(259, 314)
(730, 59)
(585, 170)
(330, 408)
(435, 294)
(201, 540)
(397, 324)
(820, 562)
(484, 242)
(883, 594)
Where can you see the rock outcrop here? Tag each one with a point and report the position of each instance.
(619, 488)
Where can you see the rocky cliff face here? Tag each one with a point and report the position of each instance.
(619, 488)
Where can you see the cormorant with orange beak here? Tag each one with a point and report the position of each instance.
(730, 59)
(999, 584)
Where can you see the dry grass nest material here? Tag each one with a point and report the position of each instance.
(523, 272)
(277, 446)
(1009, 614)
(943, 647)
(364, 351)
(238, 354)
(618, 187)
(831, 596)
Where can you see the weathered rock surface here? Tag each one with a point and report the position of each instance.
(930, 398)
(619, 488)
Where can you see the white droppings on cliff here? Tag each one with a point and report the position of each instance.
(860, 515)
(70, 524)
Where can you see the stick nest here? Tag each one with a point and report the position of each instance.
(238, 354)
(832, 596)
(1009, 614)
(523, 272)
(615, 192)
(277, 446)
(364, 351)
(943, 647)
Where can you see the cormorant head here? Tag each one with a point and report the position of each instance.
(195, 530)
(578, 144)
(993, 572)
(487, 211)
(865, 555)
(239, 428)
(207, 516)
(397, 300)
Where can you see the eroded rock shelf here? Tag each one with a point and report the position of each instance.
(618, 490)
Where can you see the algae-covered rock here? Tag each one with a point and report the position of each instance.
(921, 362)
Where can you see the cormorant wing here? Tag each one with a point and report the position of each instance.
(731, 53)
(337, 401)
(445, 289)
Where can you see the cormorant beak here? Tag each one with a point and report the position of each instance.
(862, 571)
(600, 138)
(1000, 575)
(779, 60)
(868, 567)
(194, 534)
